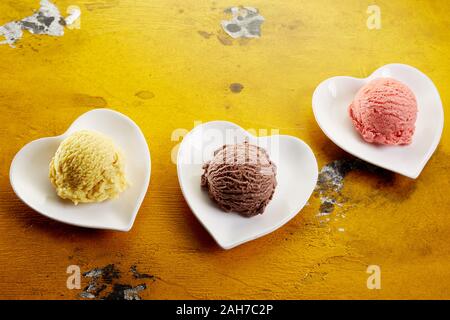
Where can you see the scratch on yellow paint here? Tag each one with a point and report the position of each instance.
(126, 50)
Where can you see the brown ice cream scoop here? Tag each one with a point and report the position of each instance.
(240, 178)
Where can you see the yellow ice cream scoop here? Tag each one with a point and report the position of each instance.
(88, 167)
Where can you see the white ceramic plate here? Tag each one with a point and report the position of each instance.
(29, 174)
(296, 175)
(332, 98)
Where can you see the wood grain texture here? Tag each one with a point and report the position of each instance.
(167, 64)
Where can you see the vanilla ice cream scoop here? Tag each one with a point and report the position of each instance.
(87, 167)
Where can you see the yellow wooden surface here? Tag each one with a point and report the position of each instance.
(167, 64)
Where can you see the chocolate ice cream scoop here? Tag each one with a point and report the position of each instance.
(240, 178)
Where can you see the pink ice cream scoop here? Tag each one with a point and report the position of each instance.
(384, 111)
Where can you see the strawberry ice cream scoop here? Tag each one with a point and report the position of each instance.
(384, 111)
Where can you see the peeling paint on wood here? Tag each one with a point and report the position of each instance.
(107, 283)
(47, 20)
(245, 22)
(331, 182)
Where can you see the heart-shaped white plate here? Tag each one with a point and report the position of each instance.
(296, 176)
(332, 98)
(29, 174)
